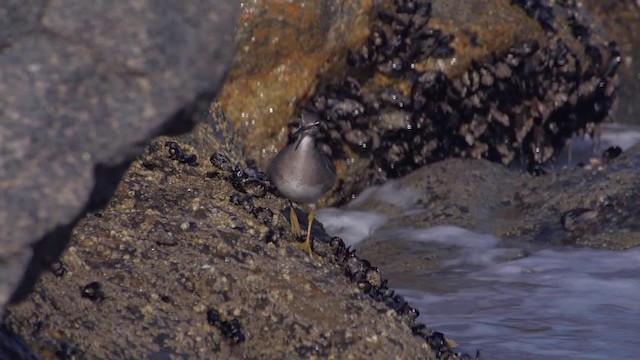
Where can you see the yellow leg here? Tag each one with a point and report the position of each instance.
(295, 225)
(307, 243)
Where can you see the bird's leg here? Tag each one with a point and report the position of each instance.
(295, 225)
(307, 243)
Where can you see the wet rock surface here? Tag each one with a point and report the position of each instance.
(593, 205)
(82, 86)
(189, 260)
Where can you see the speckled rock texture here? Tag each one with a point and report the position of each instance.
(192, 259)
(83, 85)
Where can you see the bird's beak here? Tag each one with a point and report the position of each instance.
(300, 132)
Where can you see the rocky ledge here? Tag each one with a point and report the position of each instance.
(192, 258)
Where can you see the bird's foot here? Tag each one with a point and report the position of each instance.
(306, 246)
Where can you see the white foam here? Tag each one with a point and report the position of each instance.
(582, 149)
(623, 135)
(450, 235)
(351, 226)
(391, 193)
(473, 248)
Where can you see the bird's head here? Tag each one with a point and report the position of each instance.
(309, 126)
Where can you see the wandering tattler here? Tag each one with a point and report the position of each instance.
(302, 173)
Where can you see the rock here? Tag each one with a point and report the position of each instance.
(621, 19)
(284, 50)
(486, 81)
(497, 80)
(581, 206)
(82, 86)
(230, 284)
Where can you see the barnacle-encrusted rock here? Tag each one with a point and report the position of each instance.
(186, 261)
(400, 107)
(506, 81)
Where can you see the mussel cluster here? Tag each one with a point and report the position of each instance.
(250, 184)
(521, 105)
(231, 329)
(370, 282)
(176, 152)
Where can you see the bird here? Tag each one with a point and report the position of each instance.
(303, 173)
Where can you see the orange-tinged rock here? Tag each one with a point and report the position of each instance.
(284, 50)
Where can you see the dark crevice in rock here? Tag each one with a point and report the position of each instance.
(188, 116)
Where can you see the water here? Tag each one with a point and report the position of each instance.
(557, 303)
(514, 303)
(562, 303)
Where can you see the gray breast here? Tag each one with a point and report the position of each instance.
(303, 173)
